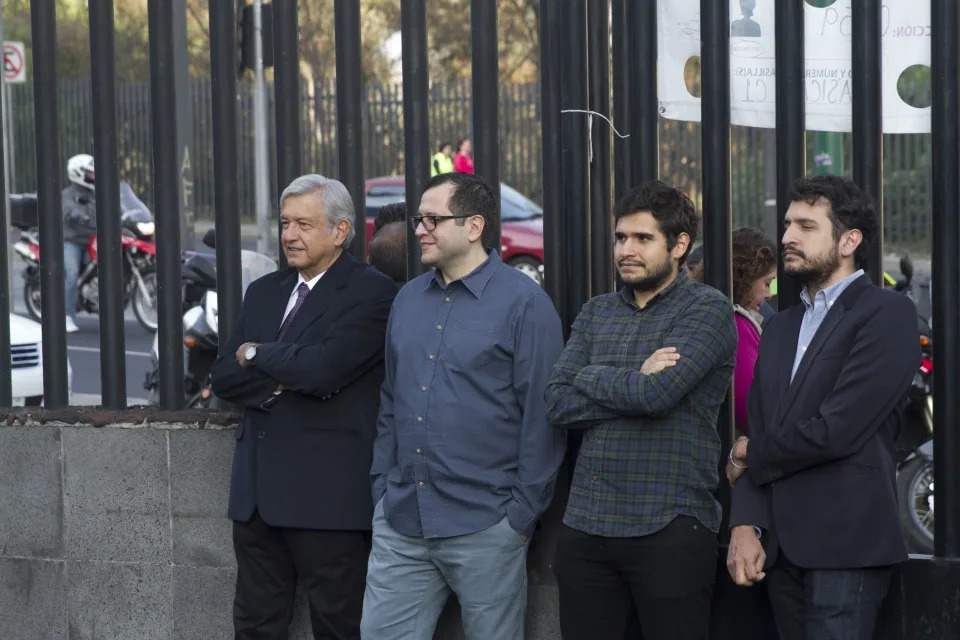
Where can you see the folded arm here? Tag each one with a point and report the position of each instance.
(705, 337)
(352, 346)
(565, 405)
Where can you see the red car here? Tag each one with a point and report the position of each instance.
(521, 229)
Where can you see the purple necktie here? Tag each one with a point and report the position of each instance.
(302, 292)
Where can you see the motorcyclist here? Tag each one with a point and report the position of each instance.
(79, 226)
(80, 223)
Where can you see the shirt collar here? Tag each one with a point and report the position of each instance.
(475, 281)
(310, 283)
(626, 292)
(829, 295)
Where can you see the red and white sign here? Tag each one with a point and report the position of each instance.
(14, 62)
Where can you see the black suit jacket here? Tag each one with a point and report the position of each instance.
(821, 477)
(303, 458)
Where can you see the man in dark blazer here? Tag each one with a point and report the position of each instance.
(305, 362)
(816, 513)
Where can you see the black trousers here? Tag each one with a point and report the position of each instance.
(826, 604)
(331, 567)
(665, 580)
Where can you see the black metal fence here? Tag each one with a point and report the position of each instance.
(906, 162)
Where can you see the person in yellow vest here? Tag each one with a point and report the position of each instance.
(442, 161)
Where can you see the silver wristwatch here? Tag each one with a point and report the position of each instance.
(250, 353)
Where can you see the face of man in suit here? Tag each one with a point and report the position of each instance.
(641, 253)
(309, 244)
(815, 252)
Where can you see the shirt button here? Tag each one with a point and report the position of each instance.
(262, 435)
(439, 327)
(596, 477)
(638, 313)
(420, 484)
(423, 388)
(447, 299)
(419, 450)
(599, 441)
(419, 418)
(431, 356)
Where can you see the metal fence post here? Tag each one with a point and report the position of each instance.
(554, 223)
(945, 53)
(223, 66)
(867, 119)
(791, 123)
(644, 109)
(486, 100)
(601, 216)
(286, 90)
(113, 376)
(416, 128)
(166, 178)
(350, 116)
(44, 27)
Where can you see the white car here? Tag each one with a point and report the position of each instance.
(26, 356)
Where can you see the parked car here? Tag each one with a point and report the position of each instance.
(26, 362)
(521, 222)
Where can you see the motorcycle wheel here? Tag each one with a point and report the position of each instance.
(145, 308)
(915, 497)
(31, 298)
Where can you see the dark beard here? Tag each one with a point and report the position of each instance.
(653, 280)
(814, 273)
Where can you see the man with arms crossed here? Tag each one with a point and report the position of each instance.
(305, 362)
(823, 412)
(645, 373)
(464, 461)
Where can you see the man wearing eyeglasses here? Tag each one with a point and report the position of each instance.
(464, 461)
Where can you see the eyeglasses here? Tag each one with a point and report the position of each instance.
(430, 222)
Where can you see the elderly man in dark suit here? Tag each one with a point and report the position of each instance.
(816, 513)
(305, 362)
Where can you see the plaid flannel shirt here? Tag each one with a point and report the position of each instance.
(650, 447)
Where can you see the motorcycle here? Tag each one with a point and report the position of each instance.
(914, 445)
(139, 252)
(200, 321)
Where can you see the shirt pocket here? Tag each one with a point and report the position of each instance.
(470, 343)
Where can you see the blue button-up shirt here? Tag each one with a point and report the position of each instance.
(816, 311)
(463, 439)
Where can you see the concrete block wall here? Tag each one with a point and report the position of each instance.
(113, 526)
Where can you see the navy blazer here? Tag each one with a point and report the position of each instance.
(821, 476)
(303, 458)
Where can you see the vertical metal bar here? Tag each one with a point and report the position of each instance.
(791, 143)
(6, 266)
(601, 218)
(715, 143)
(350, 115)
(867, 123)
(286, 89)
(642, 70)
(166, 177)
(486, 100)
(261, 161)
(573, 152)
(416, 131)
(223, 85)
(113, 377)
(621, 98)
(945, 52)
(552, 175)
(44, 29)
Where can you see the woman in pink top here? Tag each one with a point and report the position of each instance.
(463, 161)
(754, 266)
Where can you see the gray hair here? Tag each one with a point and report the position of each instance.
(337, 203)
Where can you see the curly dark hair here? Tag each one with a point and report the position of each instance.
(753, 256)
(670, 207)
(850, 207)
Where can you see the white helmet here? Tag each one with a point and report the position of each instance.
(80, 170)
